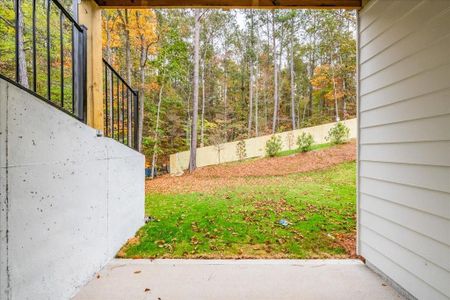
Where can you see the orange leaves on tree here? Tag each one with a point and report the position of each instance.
(152, 86)
(322, 83)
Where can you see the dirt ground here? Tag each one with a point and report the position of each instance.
(256, 170)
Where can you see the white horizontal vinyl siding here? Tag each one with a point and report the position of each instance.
(404, 143)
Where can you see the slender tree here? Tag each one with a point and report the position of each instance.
(193, 146)
(251, 54)
(275, 75)
(23, 76)
(292, 71)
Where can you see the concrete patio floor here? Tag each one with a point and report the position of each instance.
(236, 279)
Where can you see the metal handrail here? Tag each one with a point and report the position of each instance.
(79, 60)
(121, 108)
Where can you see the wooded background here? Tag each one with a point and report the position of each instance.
(259, 71)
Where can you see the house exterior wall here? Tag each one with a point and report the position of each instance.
(69, 198)
(404, 143)
(255, 147)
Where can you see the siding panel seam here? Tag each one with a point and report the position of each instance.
(428, 46)
(406, 163)
(406, 36)
(409, 207)
(406, 78)
(407, 99)
(411, 9)
(403, 142)
(406, 121)
(367, 9)
(405, 184)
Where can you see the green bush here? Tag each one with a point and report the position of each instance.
(305, 142)
(273, 146)
(338, 134)
(241, 150)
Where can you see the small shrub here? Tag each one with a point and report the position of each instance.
(241, 150)
(338, 134)
(273, 146)
(305, 142)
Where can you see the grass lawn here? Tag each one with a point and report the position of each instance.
(314, 147)
(243, 221)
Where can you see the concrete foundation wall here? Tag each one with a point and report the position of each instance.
(255, 147)
(69, 199)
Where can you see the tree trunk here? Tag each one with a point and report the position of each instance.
(310, 87)
(225, 112)
(23, 77)
(336, 108)
(250, 104)
(250, 96)
(292, 81)
(141, 109)
(193, 146)
(311, 70)
(256, 100)
(109, 79)
(127, 48)
(275, 77)
(155, 146)
(304, 112)
(266, 109)
(126, 28)
(266, 80)
(108, 39)
(202, 129)
(188, 121)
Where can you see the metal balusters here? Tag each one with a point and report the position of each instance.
(106, 116)
(123, 101)
(52, 10)
(123, 114)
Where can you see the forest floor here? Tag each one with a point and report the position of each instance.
(296, 206)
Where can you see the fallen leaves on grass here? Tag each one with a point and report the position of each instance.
(238, 217)
(130, 243)
(348, 242)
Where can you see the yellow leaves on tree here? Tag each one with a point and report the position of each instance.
(109, 24)
(327, 83)
(141, 26)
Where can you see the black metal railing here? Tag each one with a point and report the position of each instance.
(120, 107)
(49, 56)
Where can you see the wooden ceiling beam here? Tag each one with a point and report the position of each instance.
(227, 4)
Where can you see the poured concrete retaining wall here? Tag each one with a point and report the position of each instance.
(255, 147)
(69, 199)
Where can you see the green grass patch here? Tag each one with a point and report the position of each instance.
(244, 221)
(314, 147)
